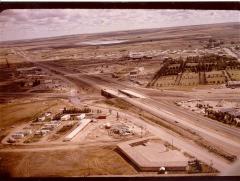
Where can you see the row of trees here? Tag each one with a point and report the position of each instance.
(206, 63)
(76, 110)
(223, 117)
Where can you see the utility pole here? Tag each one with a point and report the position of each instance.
(117, 115)
(7, 61)
(27, 169)
(141, 131)
(211, 166)
(88, 169)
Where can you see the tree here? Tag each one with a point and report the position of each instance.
(22, 83)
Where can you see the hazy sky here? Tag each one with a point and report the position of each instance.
(25, 24)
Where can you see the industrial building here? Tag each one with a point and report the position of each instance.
(82, 125)
(150, 155)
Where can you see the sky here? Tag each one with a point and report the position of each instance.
(36, 23)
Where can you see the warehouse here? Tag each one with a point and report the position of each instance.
(151, 154)
(82, 125)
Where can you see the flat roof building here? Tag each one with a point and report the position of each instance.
(82, 125)
(150, 154)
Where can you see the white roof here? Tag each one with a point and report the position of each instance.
(66, 116)
(83, 123)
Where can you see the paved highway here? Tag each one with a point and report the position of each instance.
(176, 118)
(168, 106)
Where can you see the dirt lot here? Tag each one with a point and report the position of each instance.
(18, 112)
(73, 162)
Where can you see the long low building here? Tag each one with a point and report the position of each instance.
(83, 124)
(233, 84)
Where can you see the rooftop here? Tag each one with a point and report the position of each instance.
(151, 154)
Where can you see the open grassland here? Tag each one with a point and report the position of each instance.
(15, 113)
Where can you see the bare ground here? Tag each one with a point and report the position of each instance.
(74, 162)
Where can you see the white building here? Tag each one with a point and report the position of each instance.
(18, 135)
(42, 118)
(65, 117)
(81, 116)
(141, 69)
(47, 81)
(48, 114)
(82, 125)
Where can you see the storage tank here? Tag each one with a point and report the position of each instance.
(107, 125)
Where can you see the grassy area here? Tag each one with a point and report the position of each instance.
(82, 161)
(15, 113)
